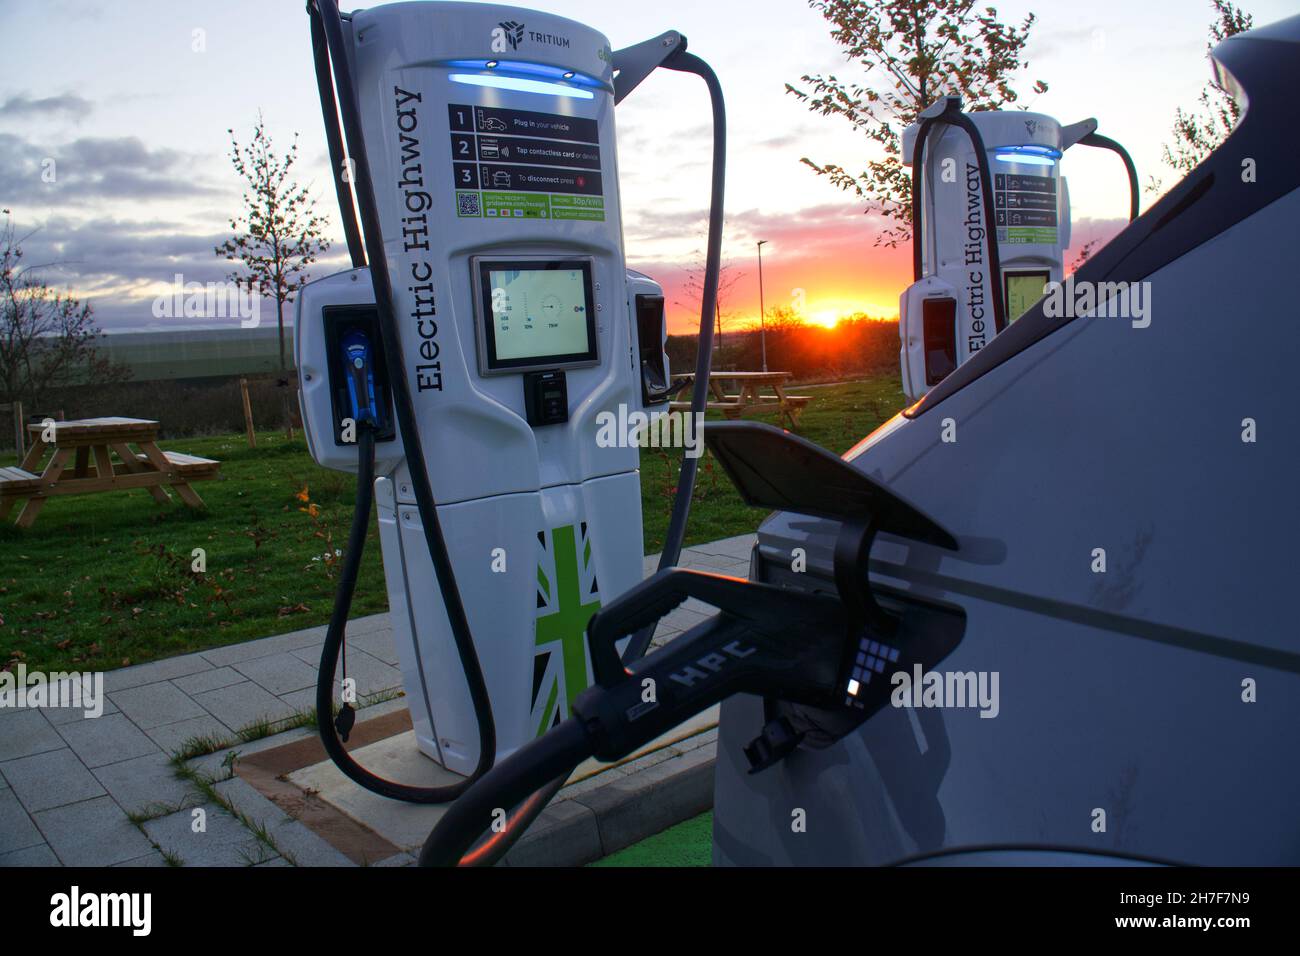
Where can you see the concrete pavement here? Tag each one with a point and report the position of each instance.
(105, 791)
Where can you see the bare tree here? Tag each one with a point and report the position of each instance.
(47, 338)
(693, 288)
(910, 53)
(279, 234)
(1198, 132)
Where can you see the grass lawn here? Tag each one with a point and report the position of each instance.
(106, 580)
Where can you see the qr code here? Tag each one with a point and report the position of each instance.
(467, 204)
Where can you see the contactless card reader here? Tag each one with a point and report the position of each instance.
(546, 398)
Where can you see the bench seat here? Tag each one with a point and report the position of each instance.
(189, 465)
(13, 480)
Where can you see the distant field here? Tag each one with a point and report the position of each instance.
(105, 580)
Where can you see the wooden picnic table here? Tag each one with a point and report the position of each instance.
(98, 438)
(746, 394)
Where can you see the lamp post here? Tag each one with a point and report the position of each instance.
(762, 310)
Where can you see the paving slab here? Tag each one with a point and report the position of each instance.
(153, 705)
(39, 855)
(278, 673)
(66, 715)
(152, 858)
(26, 732)
(17, 831)
(213, 765)
(241, 705)
(250, 650)
(703, 561)
(92, 833)
(301, 701)
(106, 740)
(379, 644)
(395, 758)
(208, 680)
(172, 737)
(370, 623)
(50, 780)
(737, 547)
(305, 848)
(224, 842)
(145, 783)
(685, 620)
(371, 674)
(151, 673)
(245, 800)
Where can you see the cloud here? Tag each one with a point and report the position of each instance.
(25, 106)
(95, 168)
(826, 251)
(1046, 44)
(810, 232)
(119, 265)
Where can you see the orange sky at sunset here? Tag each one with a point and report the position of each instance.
(821, 262)
(145, 189)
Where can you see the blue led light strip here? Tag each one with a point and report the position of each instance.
(503, 82)
(1029, 154)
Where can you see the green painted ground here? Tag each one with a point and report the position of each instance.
(689, 843)
(106, 580)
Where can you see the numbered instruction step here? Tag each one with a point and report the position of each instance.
(519, 164)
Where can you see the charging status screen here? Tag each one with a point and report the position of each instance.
(1022, 292)
(537, 313)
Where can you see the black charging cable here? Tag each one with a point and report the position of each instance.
(331, 35)
(1098, 141)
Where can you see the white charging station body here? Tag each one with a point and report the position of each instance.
(946, 316)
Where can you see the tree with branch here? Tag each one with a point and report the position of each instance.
(910, 53)
(47, 338)
(1200, 131)
(693, 289)
(278, 235)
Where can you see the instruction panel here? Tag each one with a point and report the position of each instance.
(518, 164)
(1025, 208)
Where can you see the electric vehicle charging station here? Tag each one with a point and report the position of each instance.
(463, 366)
(530, 674)
(991, 223)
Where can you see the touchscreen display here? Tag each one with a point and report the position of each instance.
(537, 313)
(1023, 290)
